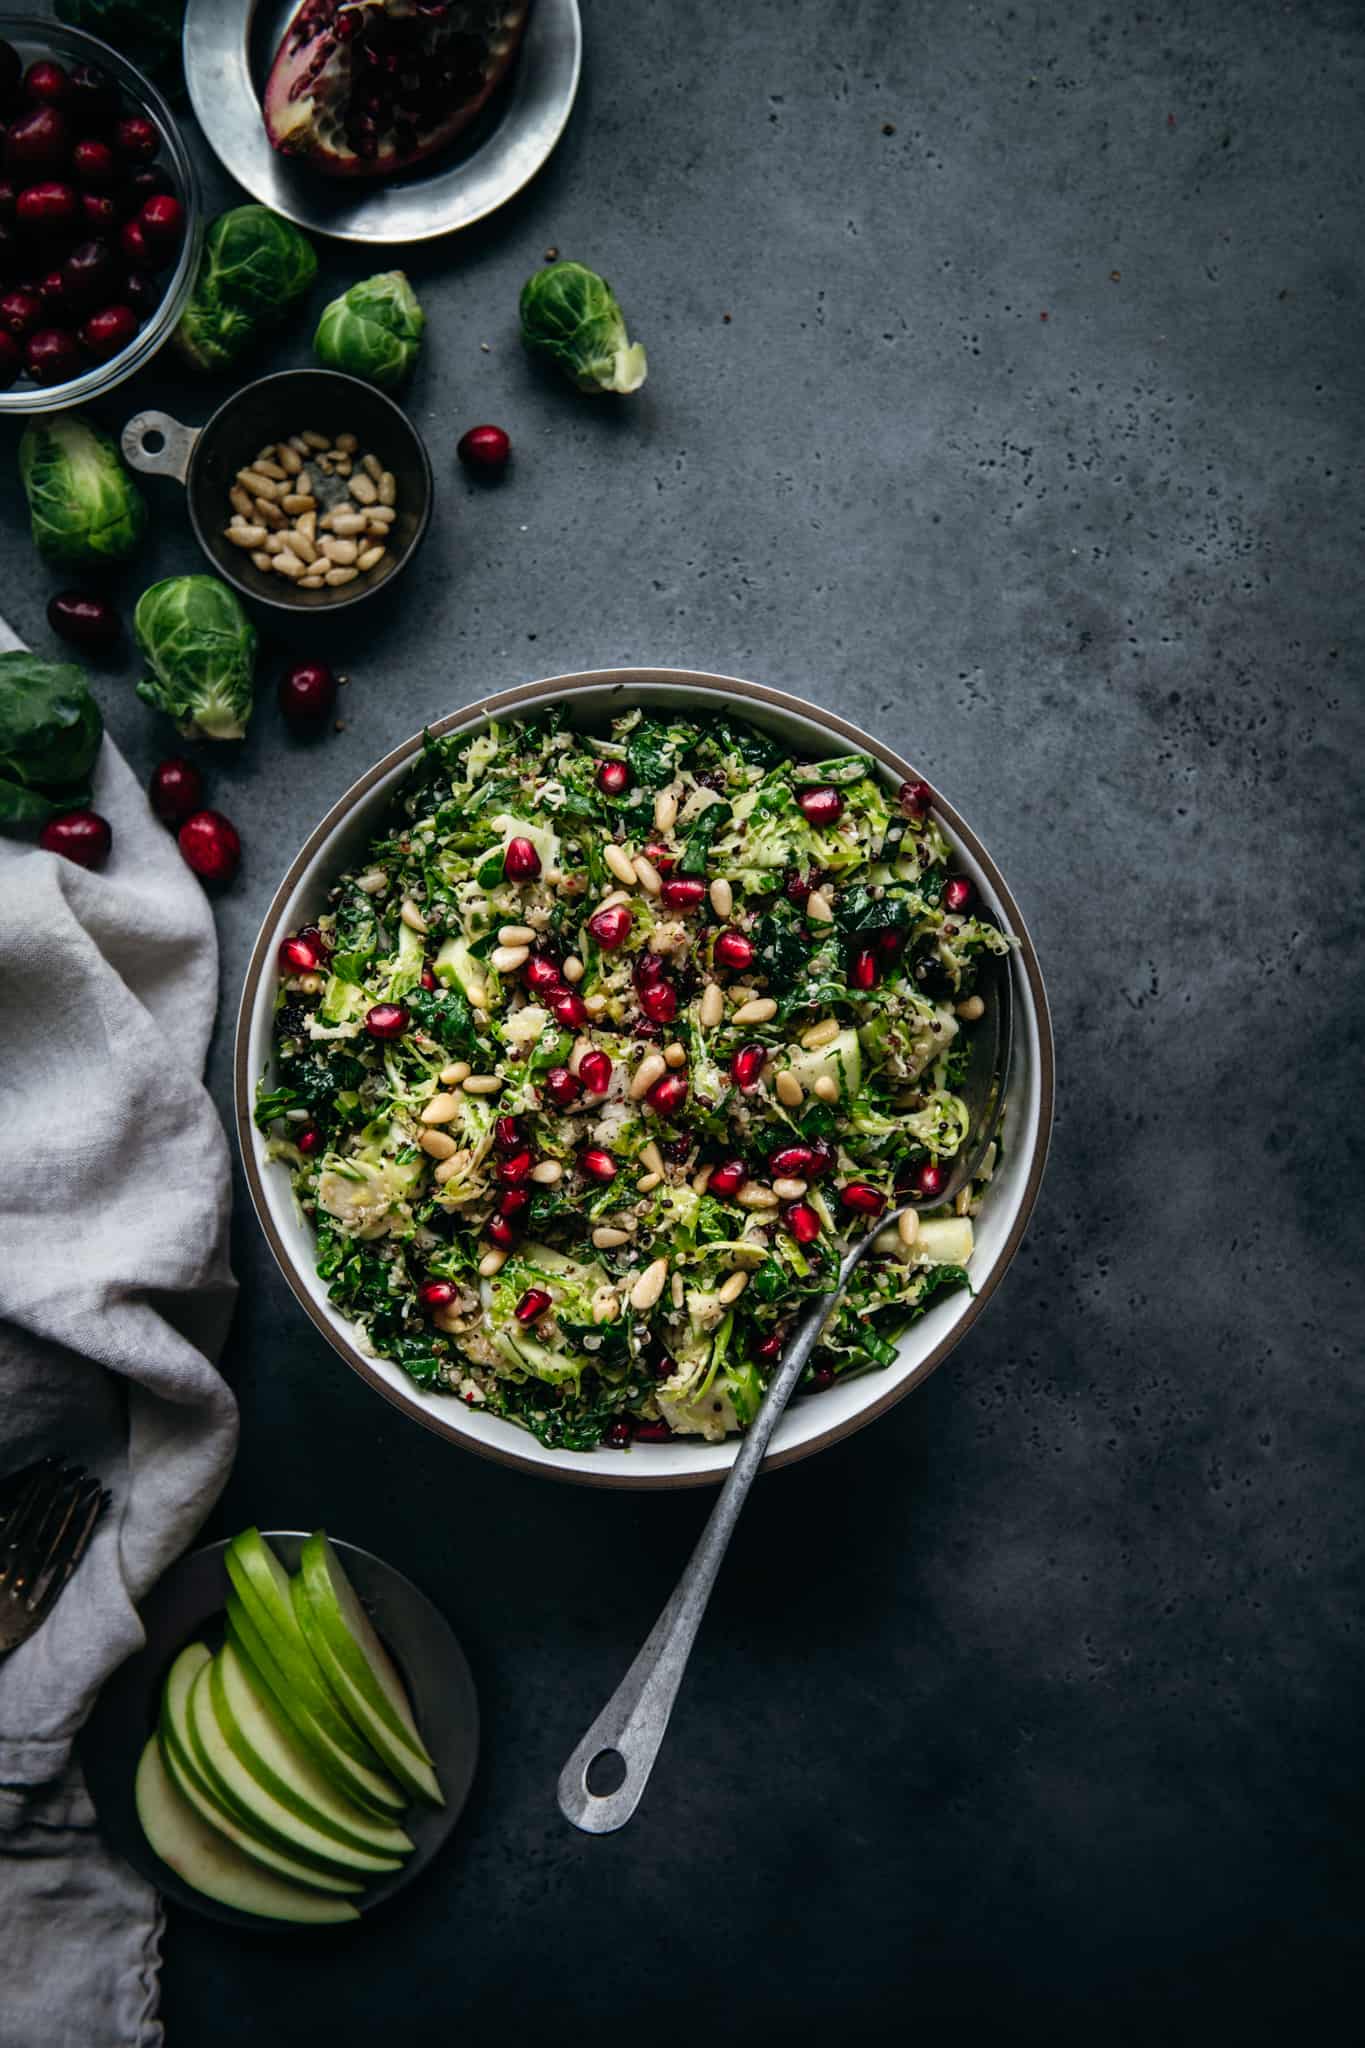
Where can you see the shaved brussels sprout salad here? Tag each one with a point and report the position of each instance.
(592, 1063)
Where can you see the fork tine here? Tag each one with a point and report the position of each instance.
(27, 1516)
(74, 1539)
(52, 1529)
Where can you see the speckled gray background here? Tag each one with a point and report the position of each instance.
(1032, 443)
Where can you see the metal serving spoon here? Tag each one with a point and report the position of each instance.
(632, 1725)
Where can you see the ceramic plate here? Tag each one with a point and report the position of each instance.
(227, 56)
(189, 1603)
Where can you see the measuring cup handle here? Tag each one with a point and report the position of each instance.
(174, 445)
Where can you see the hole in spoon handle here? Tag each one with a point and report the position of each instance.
(158, 445)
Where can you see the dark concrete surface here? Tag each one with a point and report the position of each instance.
(1032, 442)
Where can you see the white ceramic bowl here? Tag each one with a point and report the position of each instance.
(815, 1420)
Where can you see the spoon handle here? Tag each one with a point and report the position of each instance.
(635, 1718)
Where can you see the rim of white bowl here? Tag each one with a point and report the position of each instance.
(685, 1461)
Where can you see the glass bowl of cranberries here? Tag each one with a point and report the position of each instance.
(99, 217)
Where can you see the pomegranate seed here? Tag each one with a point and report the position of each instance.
(533, 1303)
(746, 1067)
(428, 980)
(929, 1181)
(499, 1230)
(659, 1001)
(668, 1094)
(803, 1223)
(821, 1159)
(863, 971)
(734, 950)
(386, 1020)
(210, 846)
(562, 1087)
(611, 928)
(597, 1164)
(516, 1166)
(81, 836)
(683, 895)
(821, 806)
(307, 693)
(309, 1140)
(957, 894)
(822, 1376)
(663, 1367)
(862, 1199)
(484, 449)
(175, 790)
(653, 1433)
(567, 1009)
(914, 798)
(521, 862)
(514, 1202)
(613, 777)
(303, 953)
(649, 967)
(768, 1349)
(619, 1433)
(541, 973)
(507, 1133)
(797, 887)
(727, 1179)
(889, 942)
(661, 858)
(594, 1071)
(793, 1162)
(437, 1293)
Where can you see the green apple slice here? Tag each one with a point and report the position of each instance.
(312, 1713)
(234, 1787)
(211, 1863)
(407, 1765)
(340, 1617)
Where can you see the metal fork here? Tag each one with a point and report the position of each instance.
(45, 1528)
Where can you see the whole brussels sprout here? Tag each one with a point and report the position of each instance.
(569, 313)
(373, 331)
(50, 731)
(254, 267)
(85, 508)
(201, 648)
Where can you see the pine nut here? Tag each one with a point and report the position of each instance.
(491, 1263)
(547, 1173)
(341, 465)
(343, 551)
(789, 1090)
(962, 1201)
(438, 1144)
(264, 466)
(263, 454)
(826, 1087)
(649, 1286)
(388, 488)
(702, 1180)
(288, 564)
(712, 1006)
(370, 559)
(573, 968)
(336, 577)
(760, 1011)
(819, 909)
(298, 501)
(753, 1195)
(373, 882)
(676, 1054)
(596, 1006)
(274, 542)
(611, 899)
(346, 444)
(300, 446)
(605, 1307)
(677, 1290)
(261, 559)
(652, 1068)
(240, 501)
(507, 959)
(345, 522)
(722, 897)
(732, 1288)
(307, 525)
(302, 545)
(650, 880)
(381, 515)
(447, 1320)
(290, 463)
(313, 440)
(478, 995)
(607, 1237)
(620, 863)
(246, 536)
(907, 1227)
(442, 1109)
(412, 916)
(789, 1190)
(651, 1158)
(269, 514)
(324, 465)
(313, 582)
(516, 935)
(970, 1008)
(259, 486)
(371, 465)
(448, 1168)
(481, 1084)
(362, 489)
(457, 1071)
(665, 811)
(649, 1183)
(820, 1034)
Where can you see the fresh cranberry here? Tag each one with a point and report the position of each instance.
(668, 1094)
(768, 1349)
(653, 1433)
(862, 1199)
(309, 1140)
(435, 1294)
(11, 360)
(105, 333)
(52, 356)
(594, 1071)
(162, 221)
(567, 1009)
(428, 980)
(386, 1020)
(957, 893)
(82, 836)
(46, 84)
(683, 895)
(144, 183)
(618, 1434)
(863, 972)
(136, 139)
(822, 1376)
(521, 862)
(514, 1202)
(727, 1179)
(515, 1167)
(597, 1164)
(501, 1231)
(507, 1133)
(101, 215)
(93, 166)
(307, 694)
(176, 790)
(20, 312)
(52, 292)
(821, 806)
(659, 1001)
(137, 250)
(91, 275)
(51, 207)
(746, 1067)
(37, 142)
(792, 1162)
(803, 1223)
(542, 974)
(561, 1087)
(929, 1181)
(485, 450)
(735, 951)
(533, 1303)
(93, 98)
(613, 777)
(304, 952)
(914, 799)
(611, 927)
(142, 292)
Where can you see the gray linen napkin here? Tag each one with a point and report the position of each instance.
(115, 1295)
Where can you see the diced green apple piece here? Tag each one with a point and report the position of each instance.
(946, 1239)
(212, 1864)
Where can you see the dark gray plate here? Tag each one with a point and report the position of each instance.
(188, 1603)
